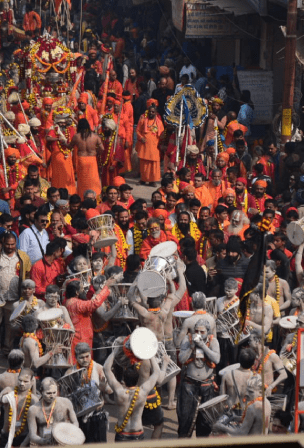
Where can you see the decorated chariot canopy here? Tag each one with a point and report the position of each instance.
(45, 57)
(195, 111)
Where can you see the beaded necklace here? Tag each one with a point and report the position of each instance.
(120, 428)
(25, 407)
(32, 336)
(249, 404)
(89, 371)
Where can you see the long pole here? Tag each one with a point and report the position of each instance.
(106, 83)
(80, 31)
(216, 142)
(17, 133)
(263, 349)
(179, 131)
(289, 71)
(3, 159)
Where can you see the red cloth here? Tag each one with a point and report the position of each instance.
(150, 242)
(81, 312)
(44, 274)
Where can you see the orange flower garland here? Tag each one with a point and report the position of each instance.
(130, 355)
(32, 336)
(249, 404)
(89, 371)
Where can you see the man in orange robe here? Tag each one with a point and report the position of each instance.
(15, 172)
(216, 187)
(155, 236)
(31, 20)
(232, 125)
(148, 131)
(114, 86)
(84, 110)
(128, 112)
(61, 159)
(108, 164)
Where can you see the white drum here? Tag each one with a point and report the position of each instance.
(151, 283)
(50, 318)
(164, 250)
(181, 316)
(167, 251)
(172, 369)
(84, 277)
(214, 409)
(59, 337)
(228, 318)
(295, 232)
(125, 313)
(104, 225)
(211, 306)
(18, 314)
(67, 434)
(143, 343)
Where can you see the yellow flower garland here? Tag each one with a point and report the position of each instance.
(120, 428)
(26, 405)
(257, 203)
(155, 405)
(65, 152)
(33, 304)
(125, 246)
(109, 148)
(194, 231)
(138, 239)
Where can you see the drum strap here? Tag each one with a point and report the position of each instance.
(41, 248)
(235, 386)
(194, 417)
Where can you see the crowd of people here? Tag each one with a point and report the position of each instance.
(84, 265)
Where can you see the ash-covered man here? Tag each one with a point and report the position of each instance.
(228, 351)
(9, 378)
(253, 416)
(94, 425)
(52, 296)
(199, 355)
(50, 410)
(24, 398)
(28, 291)
(272, 363)
(278, 288)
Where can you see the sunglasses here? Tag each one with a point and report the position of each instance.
(44, 221)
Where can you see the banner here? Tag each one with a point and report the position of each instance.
(178, 7)
(202, 21)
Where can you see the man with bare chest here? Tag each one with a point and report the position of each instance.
(88, 149)
(255, 316)
(47, 412)
(24, 398)
(278, 288)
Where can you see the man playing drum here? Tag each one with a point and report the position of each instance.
(24, 398)
(252, 420)
(31, 346)
(130, 399)
(199, 353)
(95, 426)
(52, 296)
(32, 303)
(199, 306)
(223, 304)
(255, 316)
(47, 412)
(272, 363)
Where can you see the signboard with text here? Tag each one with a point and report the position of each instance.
(202, 21)
(260, 85)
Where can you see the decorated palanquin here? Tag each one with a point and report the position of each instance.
(47, 60)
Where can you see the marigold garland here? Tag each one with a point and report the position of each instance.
(103, 138)
(249, 404)
(32, 336)
(154, 310)
(202, 243)
(266, 357)
(138, 239)
(9, 171)
(32, 305)
(88, 376)
(155, 405)
(199, 312)
(66, 152)
(130, 355)
(244, 203)
(257, 202)
(13, 371)
(25, 407)
(125, 247)
(194, 231)
(120, 428)
(229, 304)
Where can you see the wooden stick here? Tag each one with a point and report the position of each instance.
(3, 159)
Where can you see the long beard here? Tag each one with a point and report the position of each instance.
(124, 226)
(234, 230)
(184, 228)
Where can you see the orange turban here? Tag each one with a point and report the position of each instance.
(47, 100)
(25, 105)
(12, 152)
(189, 189)
(91, 213)
(118, 181)
(230, 150)
(110, 99)
(261, 183)
(228, 191)
(117, 102)
(83, 98)
(223, 155)
(160, 212)
(152, 102)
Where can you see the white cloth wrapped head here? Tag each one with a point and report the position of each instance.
(23, 129)
(33, 122)
(110, 124)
